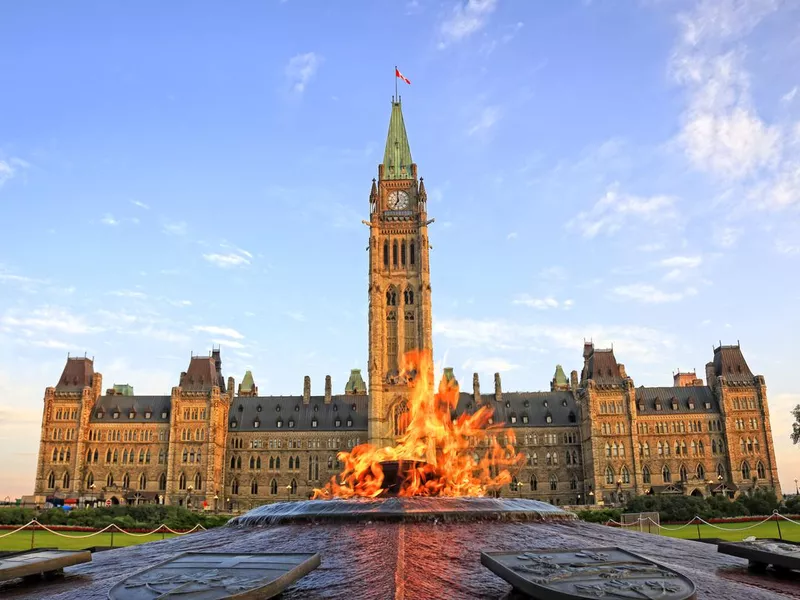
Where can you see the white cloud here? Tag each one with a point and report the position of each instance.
(180, 303)
(49, 318)
(301, 69)
(486, 120)
(487, 365)
(680, 267)
(9, 169)
(615, 210)
(643, 292)
(542, 303)
(466, 19)
(646, 344)
(128, 294)
(109, 220)
(225, 261)
(140, 204)
(655, 247)
(726, 237)
(296, 315)
(788, 248)
(179, 228)
(789, 96)
(512, 236)
(52, 344)
(223, 331)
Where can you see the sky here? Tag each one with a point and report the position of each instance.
(180, 175)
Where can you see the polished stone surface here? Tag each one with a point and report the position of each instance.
(38, 562)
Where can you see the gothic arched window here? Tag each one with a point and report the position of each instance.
(198, 482)
(182, 482)
(143, 482)
(553, 482)
(65, 481)
(400, 417)
(162, 482)
(234, 487)
(745, 470)
(646, 475)
(760, 471)
(534, 483)
(626, 475)
(666, 474)
(273, 487)
(701, 472)
(609, 474)
(254, 487)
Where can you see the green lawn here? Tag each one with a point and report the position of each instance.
(733, 532)
(44, 539)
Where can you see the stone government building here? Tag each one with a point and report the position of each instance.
(593, 438)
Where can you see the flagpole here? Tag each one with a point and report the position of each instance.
(396, 96)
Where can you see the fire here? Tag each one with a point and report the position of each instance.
(439, 455)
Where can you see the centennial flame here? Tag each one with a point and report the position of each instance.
(438, 455)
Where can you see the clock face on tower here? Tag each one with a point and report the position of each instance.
(398, 200)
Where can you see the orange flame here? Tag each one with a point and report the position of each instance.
(441, 455)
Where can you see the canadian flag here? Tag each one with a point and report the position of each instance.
(397, 73)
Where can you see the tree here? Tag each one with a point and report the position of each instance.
(796, 425)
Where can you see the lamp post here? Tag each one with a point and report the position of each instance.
(189, 497)
(591, 497)
(230, 506)
(288, 491)
(94, 500)
(796, 489)
(215, 503)
(619, 491)
(579, 498)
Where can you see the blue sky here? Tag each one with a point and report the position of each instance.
(178, 175)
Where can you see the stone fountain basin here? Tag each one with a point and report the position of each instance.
(409, 559)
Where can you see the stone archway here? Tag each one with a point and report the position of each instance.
(697, 493)
(398, 417)
(114, 500)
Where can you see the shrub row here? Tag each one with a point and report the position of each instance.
(145, 517)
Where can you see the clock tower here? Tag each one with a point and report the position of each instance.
(399, 281)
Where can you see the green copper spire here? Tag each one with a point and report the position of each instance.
(397, 156)
(247, 383)
(355, 385)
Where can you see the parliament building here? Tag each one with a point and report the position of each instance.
(593, 438)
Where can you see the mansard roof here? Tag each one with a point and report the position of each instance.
(78, 373)
(603, 368)
(700, 394)
(106, 406)
(536, 405)
(729, 363)
(288, 413)
(201, 375)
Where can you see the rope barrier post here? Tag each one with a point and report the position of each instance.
(778, 523)
(112, 538)
(697, 524)
(33, 533)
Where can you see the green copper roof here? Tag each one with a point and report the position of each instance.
(560, 377)
(397, 156)
(247, 384)
(355, 385)
(448, 373)
(123, 389)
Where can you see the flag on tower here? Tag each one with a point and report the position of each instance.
(398, 74)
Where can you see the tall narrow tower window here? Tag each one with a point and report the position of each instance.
(411, 254)
(410, 332)
(394, 254)
(391, 340)
(403, 253)
(385, 254)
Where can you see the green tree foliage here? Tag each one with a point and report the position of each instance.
(600, 516)
(796, 425)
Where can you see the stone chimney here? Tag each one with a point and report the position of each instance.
(231, 386)
(711, 378)
(327, 389)
(573, 380)
(476, 388)
(622, 372)
(498, 388)
(306, 389)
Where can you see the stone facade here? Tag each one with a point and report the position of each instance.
(592, 438)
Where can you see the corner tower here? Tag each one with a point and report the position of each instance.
(399, 280)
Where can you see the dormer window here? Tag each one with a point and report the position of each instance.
(291, 423)
(164, 414)
(337, 422)
(148, 414)
(491, 421)
(115, 414)
(233, 424)
(258, 408)
(563, 403)
(691, 404)
(296, 408)
(349, 422)
(335, 408)
(241, 408)
(525, 419)
(314, 423)
(658, 405)
(707, 405)
(508, 404)
(316, 408)
(256, 423)
(549, 418)
(674, 404)
(572, 417)
(526, 404)
(279, 423)
(513, 418)
(131, 415)
(99, 414)
(278, 408)
(641, 405)
(353, 407)
(545, 403)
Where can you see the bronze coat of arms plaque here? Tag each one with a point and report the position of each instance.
(39, 562)
(215, 576)
(610, 573)
(760, 553)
